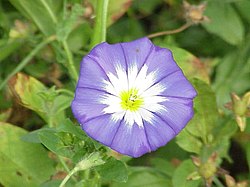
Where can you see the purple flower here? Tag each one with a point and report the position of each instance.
(132, 96)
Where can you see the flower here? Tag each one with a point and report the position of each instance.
(132, 96)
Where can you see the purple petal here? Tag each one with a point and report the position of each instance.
(86, 103)
(176, 85)
(177, 114)
(161, 59)
(91, 74)
(137, 52)
(158, 132)
(109, 57)
(102, 128)
(131, 141)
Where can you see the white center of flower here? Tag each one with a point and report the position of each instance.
(134, 95)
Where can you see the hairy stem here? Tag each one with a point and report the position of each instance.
(27, 59)
(180, 29)
(70, 62)
(101, 22)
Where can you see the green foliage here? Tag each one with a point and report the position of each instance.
(41, 45)
(34, 9)
(218, 12)
(181, 174)
(22, 163)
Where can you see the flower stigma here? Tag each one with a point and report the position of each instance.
(130, 100)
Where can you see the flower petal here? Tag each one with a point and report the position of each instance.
(130, 140)
(109, 57)
(102, 128)
(158, 132)
(176, 113)
(92, 75)
(86, 105)
(175, 85)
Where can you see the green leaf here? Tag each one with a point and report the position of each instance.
(206, 112)
(218, 12)
(42, 12)
(68, 23)
(233, 74)
(22, 163)
(188, 142)
(32, 137)
(114, 170)
(244, 6)
(79, 37)
(191, 65)
(163, 165)
(116, 9)
(53, 142)
(181, 174)
(9, 47)
(68, 126)
(27, 89)
(45, 102)
(144, 178)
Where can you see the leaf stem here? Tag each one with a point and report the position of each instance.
(70, 62)
(63, 163)
(27, 59)
(180, 29)
(101, 22)
(65, 180)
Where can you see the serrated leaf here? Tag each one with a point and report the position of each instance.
(22, 163)
(218, 12)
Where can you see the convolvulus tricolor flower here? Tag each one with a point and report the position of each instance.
(132, 96)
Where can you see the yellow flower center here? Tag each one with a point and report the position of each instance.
(130, 100)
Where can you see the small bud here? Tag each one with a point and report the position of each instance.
(230, 182)
(239, 107)
(208, 169)
(241, 121)
(196, 161)
(194, 13)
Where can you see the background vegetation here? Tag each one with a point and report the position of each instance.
(41, 45)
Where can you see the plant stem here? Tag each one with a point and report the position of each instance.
(101, 22)
(180, 29)
(70, 62)
(63, 163)
(65, 180)
(27, 59)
